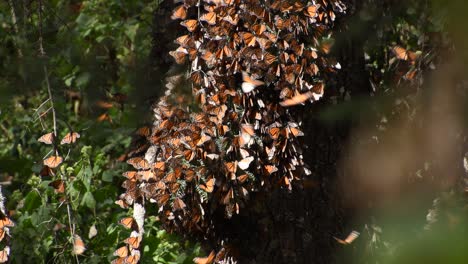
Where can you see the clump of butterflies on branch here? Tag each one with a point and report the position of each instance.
(252, 64)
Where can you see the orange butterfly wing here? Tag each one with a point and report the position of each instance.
(78, 245)
(70, 138)
(53, 161)
(127, 222)
(47, 138)
(121, 252)
(180, 12)
(297, 99)
(133, 242)
(206, 260)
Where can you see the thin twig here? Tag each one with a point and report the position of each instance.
(43, 103)
(15, 27)
(54, 120)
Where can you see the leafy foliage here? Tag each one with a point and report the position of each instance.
(94, 52)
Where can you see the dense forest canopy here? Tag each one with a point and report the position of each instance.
(233, 131)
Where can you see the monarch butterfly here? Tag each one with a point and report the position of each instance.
(190, 24)
(4, 254)
(53, 161)
(349, 239)
(118, 261)
(231, 167)
(209, 17)
(70, 138)
(180, 12)
(228, 197)
(274, 132)
(271, 169)
(139, 163)
(143, 131)
(47, 138)
(245, 163)
(326, 46)
(131, 175)
(204, 138)
(269, 58)
(296, 131)
(128, 222)
(179, 204)
(132, 259)
(78, 245)
(205, 260)
(259, 28)
(189, 175)
(178, 56)
(2, 234)
(147, 175)
(208, 186)
(133, 242)
(104, 104)
(232, 20)
(121, 252)
(403, 54)
(46, 171)
(244, 153)
(162, 199)
(242, 178)
(58, 185)
(122, 204)
(311, 11)
(297, 99)
(5, 221)
(249, 39)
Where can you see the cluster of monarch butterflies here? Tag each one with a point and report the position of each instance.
(129, 253)
(251, 63)
(55, 160)
(52, 163)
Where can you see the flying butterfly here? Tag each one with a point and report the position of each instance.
(349, 239)
(53, 161)
(70, 138)
(297, 99)
(249, 83)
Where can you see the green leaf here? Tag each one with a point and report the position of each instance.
(107, 176)
(32, 201)
(88, 200)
